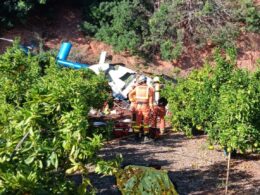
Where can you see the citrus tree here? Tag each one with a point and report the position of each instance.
(221, 100)
(44, 124)
(237, 121)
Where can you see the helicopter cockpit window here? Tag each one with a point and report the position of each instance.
(127, 78)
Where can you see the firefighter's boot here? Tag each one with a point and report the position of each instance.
(137, 132)
(138, 137)
(147, 139)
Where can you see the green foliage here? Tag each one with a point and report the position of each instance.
(119, 23)
(221, 100)
(188, 101)
(169, 51)
(248, 13)
(226, 36)
(237, 121)
(43, 124)
(159, 29)
(253, 19)
(144, 180)
(137, 27)
(16, 10)
(109, 168)
(17, 73)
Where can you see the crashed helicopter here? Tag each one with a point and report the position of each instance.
(120, 79)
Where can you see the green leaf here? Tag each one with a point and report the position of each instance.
(29, 160)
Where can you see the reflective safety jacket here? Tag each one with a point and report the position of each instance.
(132, 99)
(143, 94)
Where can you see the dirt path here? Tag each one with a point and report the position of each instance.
(194, 168)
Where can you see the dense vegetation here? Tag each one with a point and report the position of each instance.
(146, 27)
(14, 11)
(221, 100)
(45, 135)
(44, 124)
(144, 180)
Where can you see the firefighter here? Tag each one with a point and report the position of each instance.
(159, 109)
(133, 107)
(144, 104)
(156, 86)
(159, 112)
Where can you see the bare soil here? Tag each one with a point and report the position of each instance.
(192, 167)
(65, 26)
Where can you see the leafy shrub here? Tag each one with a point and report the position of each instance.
(144, 180)
(17, 73)
(170, 51)
(189, 100)
(140, 28)
(221, 100)
(237, 121)
(248, 13)
(119, 23)
(16, 10)
(226, 36)
(43, 125)
(161, 34)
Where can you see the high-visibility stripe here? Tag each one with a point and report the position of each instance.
(157, 87)
(142, 93)
(136, 126)
(136, 130)
(142, 103)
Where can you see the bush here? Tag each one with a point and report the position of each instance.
(140, 28)
(144, 180)
(17, 73)
(248, 13)
(43, 125)
(189, 101)
(16, 10)
(170, 51)
(119, 23)
(237, 121)
(222, 100)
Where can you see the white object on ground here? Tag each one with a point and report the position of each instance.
(127, 120)
(113, 112)
(99, 123)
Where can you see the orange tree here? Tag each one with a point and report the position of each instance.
(221, 100)
(43, 124)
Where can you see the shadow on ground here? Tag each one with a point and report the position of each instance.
(192, 181)
(211, 180)
(133, 155)
(208, 179)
